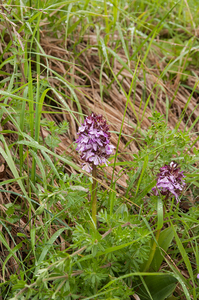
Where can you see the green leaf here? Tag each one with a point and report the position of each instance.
(160, 287)
(184, 254)
(145, 164)
(19, 285)
(164, 242)
(47, 247)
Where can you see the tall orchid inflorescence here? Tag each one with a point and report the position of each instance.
(94, 147)
(170, 180)
(93, 142)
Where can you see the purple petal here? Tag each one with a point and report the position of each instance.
(87, 167)
(170, 180)
(93, 143)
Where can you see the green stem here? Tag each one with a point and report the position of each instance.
(94, 194)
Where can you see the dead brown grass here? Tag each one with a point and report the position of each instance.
(84, 73)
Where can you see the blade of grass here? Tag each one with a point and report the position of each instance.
(144, 167)
(185, 257)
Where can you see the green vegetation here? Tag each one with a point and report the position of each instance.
(136, 63)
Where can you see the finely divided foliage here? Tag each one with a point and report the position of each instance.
(130, 70)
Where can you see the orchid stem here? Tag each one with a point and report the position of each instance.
(94, 195)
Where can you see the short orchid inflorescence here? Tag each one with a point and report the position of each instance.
(170, 180)
(93, 142)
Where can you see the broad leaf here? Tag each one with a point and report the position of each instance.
(164, 242)
(159, 287)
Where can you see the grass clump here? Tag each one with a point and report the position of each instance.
(136, 64)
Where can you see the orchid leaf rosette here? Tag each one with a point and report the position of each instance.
(93, 142)
(170, 180)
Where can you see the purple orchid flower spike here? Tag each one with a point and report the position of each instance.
(93, 142)
(170, 180)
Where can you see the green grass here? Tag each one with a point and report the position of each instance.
(135, 62)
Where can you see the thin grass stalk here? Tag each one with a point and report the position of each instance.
(115, 11)
(107, 29)
(22, 114)
(37, 121)
(22, 118)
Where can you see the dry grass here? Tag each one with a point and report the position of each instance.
(84, 73)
